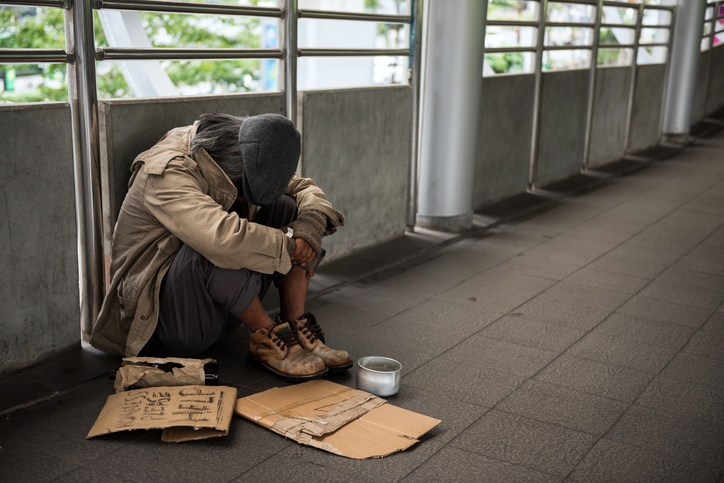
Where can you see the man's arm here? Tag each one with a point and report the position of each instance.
(310, 197)
(228, 241)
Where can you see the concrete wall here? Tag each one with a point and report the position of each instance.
(608, 132)
(503, 154)
(698, 105)
(356, 146)
(564, 105)
(38, 250)
(715, 97)
(648, 101)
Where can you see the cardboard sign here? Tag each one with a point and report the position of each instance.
(344, 421)
(185, 413)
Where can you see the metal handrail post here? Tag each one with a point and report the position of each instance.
(592, 84)
(415, 64)
(672, 24)
(535, 136)
(83, 99)
(634, 75)
(289, 82)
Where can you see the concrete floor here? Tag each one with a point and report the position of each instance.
(583, 343)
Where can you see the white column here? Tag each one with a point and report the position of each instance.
(451, 91)
(683, 69)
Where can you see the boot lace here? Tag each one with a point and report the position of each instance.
(286, 338)
(312, 326)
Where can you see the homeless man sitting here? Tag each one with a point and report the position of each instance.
(214, 214)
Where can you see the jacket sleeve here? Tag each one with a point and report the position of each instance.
(310, 197)
(178, 201)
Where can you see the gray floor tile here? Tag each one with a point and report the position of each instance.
(704, 265)
(627, 265)
(543, 446)
(683, 294)
(454, 464)
(708, 252)
(613, 462)
(458, 266)
(488, 297)
(692, 279)
(419, 282)
(715, 324)
(499, 355)
(589, 231)
(599, 347)
(683, 399)
(615, 382)
(533, 333)
(695, 441)
(563, 406)
(651, 309)
(25, 462)
(278, 468)
(608, 281)
(561, 313)
(381, 299)
(644, 331)
(505, 278)
(696, 369)
(596, 298)
(541, 267)
(468, 382)
(706, 344)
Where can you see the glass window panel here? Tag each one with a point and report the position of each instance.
(570, 12)
(718, 39)
(32, 28)
(707, 29)
(510, 37)
(719, 25)
(510, 63)
(617, 36)
(656, 17)
(512, 10)
(704, 44)
(568, 36)
(720, 13)
(709, 13)
(654, 36)
(613, 57)
(651, 55)
(566, 59)
(619, 15)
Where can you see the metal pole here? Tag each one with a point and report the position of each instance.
(289, 81)
(684, 67)
(634, 75)
(592, 84)
(86, 156)
(672, 23)
(535, 137)
(415, 56)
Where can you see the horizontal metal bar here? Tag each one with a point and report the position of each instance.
(606, 3)
(187, 7)
(567, 47)
(510, 23)
(35, 56)
(37, 3)
(185, 54)
(655, 26)
(508, 50)
(583, 2)
(616, 46)
(570, 24)
(366, 17)
(313, 52)
(654, 44)
(617, 26)
(659, 7)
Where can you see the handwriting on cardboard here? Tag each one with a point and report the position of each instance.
(188, 412)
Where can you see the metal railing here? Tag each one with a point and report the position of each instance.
(81, 56)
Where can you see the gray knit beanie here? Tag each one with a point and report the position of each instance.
(270, 146)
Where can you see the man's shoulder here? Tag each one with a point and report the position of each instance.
(175, 144)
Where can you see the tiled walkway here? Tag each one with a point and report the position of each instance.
(582, 344)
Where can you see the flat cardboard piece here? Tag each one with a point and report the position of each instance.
(138, 372)
(185, 413)
(344, 421)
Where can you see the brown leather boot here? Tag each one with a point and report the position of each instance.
(311, 337)
(278, 351)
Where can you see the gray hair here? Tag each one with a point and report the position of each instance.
(218, 134)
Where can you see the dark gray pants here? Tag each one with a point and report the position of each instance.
(200, 303)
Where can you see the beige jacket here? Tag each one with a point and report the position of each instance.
(176, 198)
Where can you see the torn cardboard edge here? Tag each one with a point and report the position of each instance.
(344, 421)
(185, 413)
(141, 372)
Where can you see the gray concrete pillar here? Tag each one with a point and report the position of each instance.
(452, 81)
(684, 66)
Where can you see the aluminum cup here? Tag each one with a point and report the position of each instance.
(378, 375)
